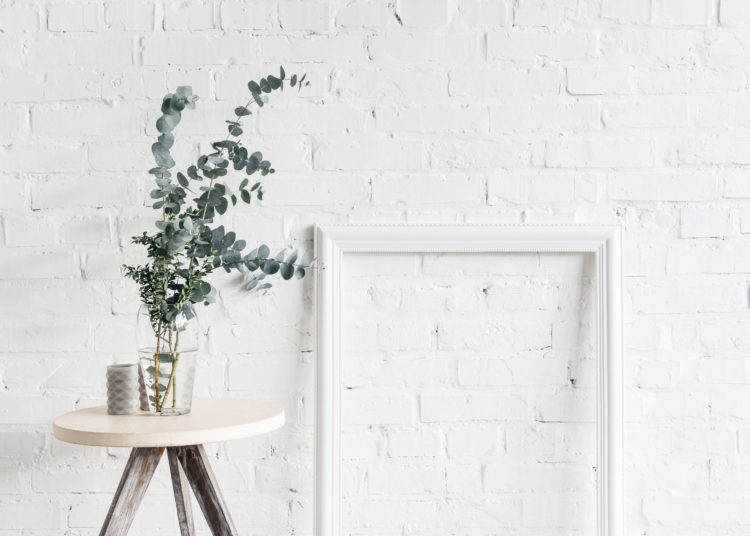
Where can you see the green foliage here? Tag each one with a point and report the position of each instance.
(187, 247)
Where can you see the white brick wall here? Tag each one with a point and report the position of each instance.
(630, 111)
(492, 407)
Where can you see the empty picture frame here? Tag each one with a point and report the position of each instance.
(333, 242)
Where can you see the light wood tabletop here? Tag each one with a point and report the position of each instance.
(210, 420)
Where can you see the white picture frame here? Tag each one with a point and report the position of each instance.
(333, 242)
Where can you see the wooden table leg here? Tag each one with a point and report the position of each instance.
(181, 494)
(198, 471)
(135, 479)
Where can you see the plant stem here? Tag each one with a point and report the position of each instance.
(156, 368)
(172, 384)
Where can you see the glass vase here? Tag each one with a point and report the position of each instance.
(167, 352)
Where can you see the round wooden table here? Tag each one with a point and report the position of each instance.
(211, 420)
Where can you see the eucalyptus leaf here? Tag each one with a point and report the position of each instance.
(270, 266)
(287, 271)
(162, 156)
(167, 140)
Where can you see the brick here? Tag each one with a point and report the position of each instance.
(247, 16)
(11, 125)
(523, 45)
(538, 477)
(29, 231)
(42, 297)
(32, 514)
(559, 512)
(85, 85)
(357, 82)
(10, 51)
(505, 81)
(691, 80)
(14, 193)
(708, 151)
(74, 17)
(727, 113)
(407, 478)
(483, 13)
(85, 230)
(422, 13)
(42, 158)
(544, 13)
(599, 80)
(197, 49)
(418, 189)
(473, 442)
(189, 16)
(414, 443)
(22, 86)
(683, 12)
(703, 223)
(309, 190)
(471, 407)
(547, 113)
(670, 186)
(448, 48)
(332, 119)
(635, 11)
(596, 153)
(648, 112)
(530, 187)
(19, 18)
(379, 154)
(734, 13)
(125, 15)
(572, 405)
(736, 184)
(303, 15)
(146, 84)
(483, 154)
(468, 119)
(32, 409)
(64, 192)
(84, 121)
(693, 512)
(23, 263)
(362, 13)
(22, 446)
(119, 157)
(691, 294)
(377, 409)
(81, 49)
(484, 372)
(315, 48)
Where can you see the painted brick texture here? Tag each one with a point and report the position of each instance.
(608, 111)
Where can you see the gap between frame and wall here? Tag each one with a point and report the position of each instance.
(332, 242)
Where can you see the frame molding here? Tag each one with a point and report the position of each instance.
(332, 242)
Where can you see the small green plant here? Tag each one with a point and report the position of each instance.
(187, 247)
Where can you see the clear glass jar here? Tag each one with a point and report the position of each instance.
(167, 352)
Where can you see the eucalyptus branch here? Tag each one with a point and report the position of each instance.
(186, 249)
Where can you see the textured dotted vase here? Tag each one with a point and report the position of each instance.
(122, 389)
